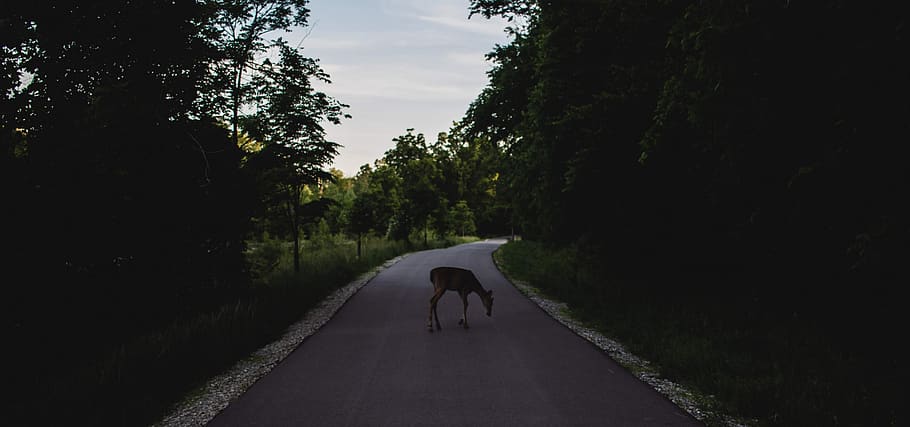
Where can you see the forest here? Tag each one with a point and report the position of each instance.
(728, 176)
(732, 173)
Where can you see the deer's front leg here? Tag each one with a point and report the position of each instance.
(464, 313)
(433, 313)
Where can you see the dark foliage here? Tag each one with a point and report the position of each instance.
(741, 154)
(125, 206)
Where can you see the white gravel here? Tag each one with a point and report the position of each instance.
(697, 406)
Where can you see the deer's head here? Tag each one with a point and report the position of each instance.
(487, 299)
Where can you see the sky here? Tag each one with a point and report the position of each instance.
(399, 64)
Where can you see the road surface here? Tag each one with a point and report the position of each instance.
(375, 363)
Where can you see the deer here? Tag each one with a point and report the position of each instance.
(464, 282)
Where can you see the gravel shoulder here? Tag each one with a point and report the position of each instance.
(699, 406)
(203, 404)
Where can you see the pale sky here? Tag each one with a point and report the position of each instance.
(399, 64)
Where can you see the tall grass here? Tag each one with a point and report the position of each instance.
(137, 382)
(756, 362)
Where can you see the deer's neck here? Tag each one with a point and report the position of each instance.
(477, 288)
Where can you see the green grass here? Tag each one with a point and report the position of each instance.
(755, 363)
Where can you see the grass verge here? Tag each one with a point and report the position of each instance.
(745, 358)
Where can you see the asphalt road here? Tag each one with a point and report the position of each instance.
(375, 363)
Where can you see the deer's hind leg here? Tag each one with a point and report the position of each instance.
(433, 314)
(436, 316)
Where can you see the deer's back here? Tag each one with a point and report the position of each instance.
(453, 278)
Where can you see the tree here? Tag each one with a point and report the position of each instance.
(463, 218)
(470, 168)
(387, 188)
(411, 162)
(237, 29)
(341, 190)
(363, 216)
(288, 121)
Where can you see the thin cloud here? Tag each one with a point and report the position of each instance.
(451, 14)
(394, 81)
(464, 24)
(337, 44)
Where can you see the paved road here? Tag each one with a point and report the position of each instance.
(375, 364)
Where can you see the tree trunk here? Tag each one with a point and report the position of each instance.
(359, 240)
(235, 109)
(296, 250)
(292, 219)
